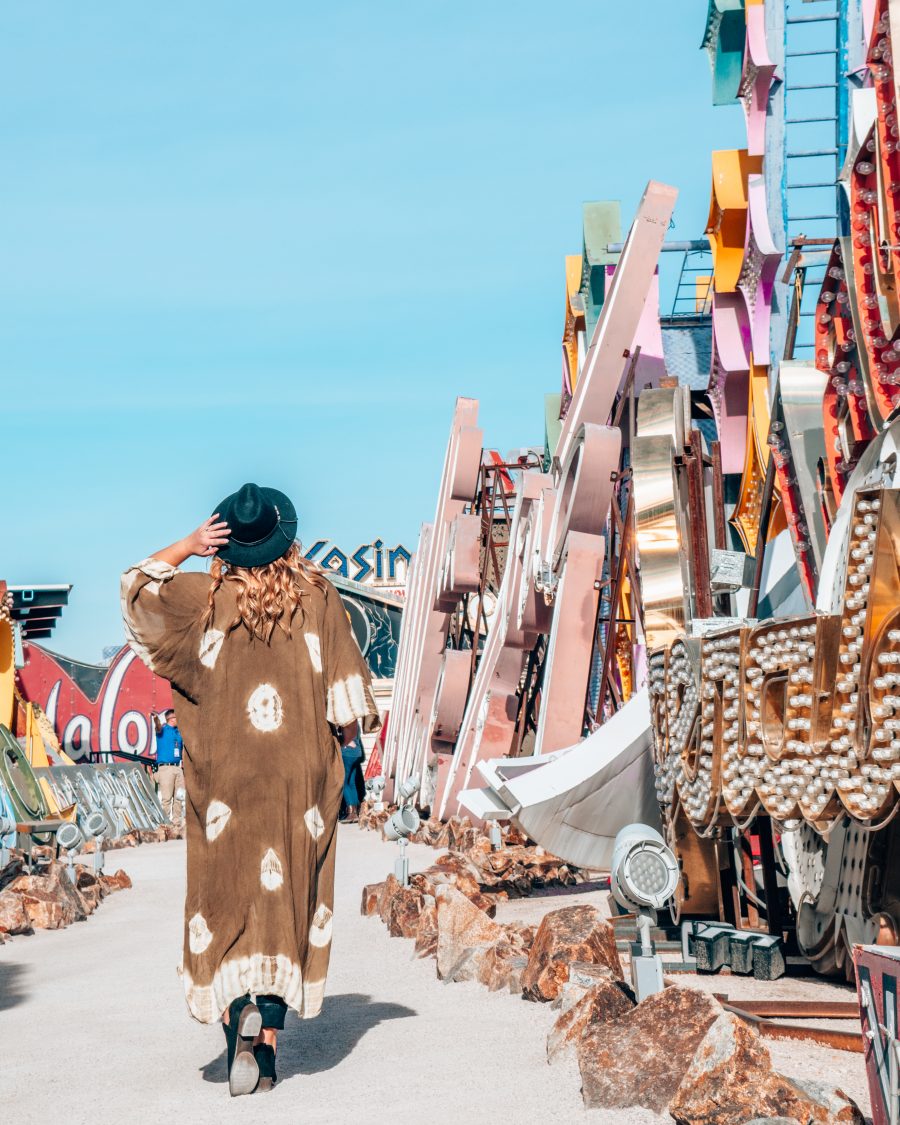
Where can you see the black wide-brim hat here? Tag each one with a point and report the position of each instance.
(263, 525)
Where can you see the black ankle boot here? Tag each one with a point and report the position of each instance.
(265, 1060)
(244, 1024)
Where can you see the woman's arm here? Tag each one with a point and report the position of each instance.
(203, 542)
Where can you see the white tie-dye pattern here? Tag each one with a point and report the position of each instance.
(210, 647)
(313, 995)
(348, 700)
(320, 930)
(159, 572)
(314, 822)
(265, 709)
(199, 934)
(315, 651)
(217, 816)
(270, 872)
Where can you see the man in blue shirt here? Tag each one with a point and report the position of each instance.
(169, 774)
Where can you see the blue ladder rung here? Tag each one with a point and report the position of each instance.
(811, 19)
(814, 86)
(812, 152)
(808, 54)
(822, 184)
(809, 120)
(809, 218)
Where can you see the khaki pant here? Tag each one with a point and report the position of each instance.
(168, 780)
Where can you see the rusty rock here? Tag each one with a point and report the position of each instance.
(582, 1009)
(371, 893)
(13, 869)
(501, 965)
(574, 933)
(641, 1058)
(427, 930)
(388, 889)
(50, 900)
(13, 919)
(449, 874)
(91, 897)
(461, 926)
(117, 882)
(731, 1080)
(404, 911)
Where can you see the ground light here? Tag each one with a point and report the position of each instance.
(375, 793)
(404, 822)
(643, 879)
(71, 838)
(95, 827)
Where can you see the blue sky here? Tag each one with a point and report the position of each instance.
(275, 242)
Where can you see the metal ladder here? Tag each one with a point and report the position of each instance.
(815, 125)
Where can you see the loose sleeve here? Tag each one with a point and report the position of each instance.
(348, 683)
(162, 609)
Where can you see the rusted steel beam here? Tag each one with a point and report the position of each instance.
(693, 464)
(774, 920)
(826, 1037)
(718, 488)
(795, 1009)
(765, 511)
(623, 537)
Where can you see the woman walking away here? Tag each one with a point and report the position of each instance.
(266, 676)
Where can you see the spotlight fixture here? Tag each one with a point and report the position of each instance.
(70, 837)
(402, 824)
(95, 827)
(643, 878)
(374, 792)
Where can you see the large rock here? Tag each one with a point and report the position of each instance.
(13, 919)
(427, 930)
(371, 893)
(502, 965)
(575, 933)
(582, 1008)
(641, 1058)
(404, 910)
(388, 889)
(50, 900)
(731, 1081)
(119, 881)
(461, 926)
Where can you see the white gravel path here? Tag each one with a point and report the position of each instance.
(93, 1025)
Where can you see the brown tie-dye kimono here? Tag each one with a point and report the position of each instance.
(263, 773)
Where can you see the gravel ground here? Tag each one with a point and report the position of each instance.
(95, 1030)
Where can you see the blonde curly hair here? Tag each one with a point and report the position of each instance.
(268, 597)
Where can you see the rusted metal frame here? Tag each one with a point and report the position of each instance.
(487, 525)
(621, 531)
(718, 489)
(723, 601)
(626, 394)
(827, 1037)
(793, 323)
(531, 686)
(729, 894)
(749, 879)
(693, 466)
(795, 1009)
(774, 915)
(765, 512)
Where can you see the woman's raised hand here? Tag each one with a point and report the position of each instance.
(209, 537)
